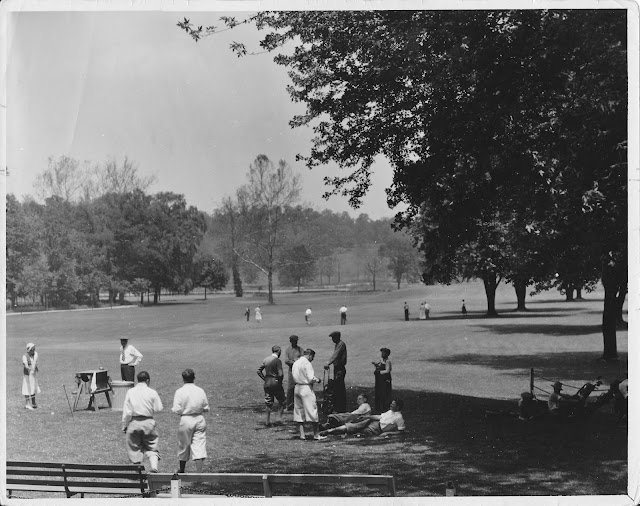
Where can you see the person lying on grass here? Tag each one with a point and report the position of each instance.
(373, 425)
(338, 419)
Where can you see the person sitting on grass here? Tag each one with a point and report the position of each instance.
(338, 419)
(529, 408)
(388, 422)
(560, 405)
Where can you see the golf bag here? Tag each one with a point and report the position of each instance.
(327, 396)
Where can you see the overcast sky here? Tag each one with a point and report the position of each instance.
(96, 85)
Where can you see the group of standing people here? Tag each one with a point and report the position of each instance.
(423, 312)
(300, 397)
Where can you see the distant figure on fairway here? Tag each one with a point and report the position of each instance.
(291, 354)
(247, 313)
(339, 361)
(129, 359)
(190, 402)
(374, 425)
(406, 312)
(270, 372)
(306, 407)
(30, 385)
(343, 315)
(464, 308)
(140, 404)
(258, 315)
(307, 316)
(421, 313)
(338, 419)
(382, 374)
(427, 310)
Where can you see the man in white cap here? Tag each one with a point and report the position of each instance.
(305, 406)
(129, 359)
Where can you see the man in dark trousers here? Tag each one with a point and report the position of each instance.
(291, 354)
(339, 361)
(406, 312)
(270, 371)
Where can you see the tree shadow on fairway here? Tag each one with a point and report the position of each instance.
(503, 315)
(450, 438)
(553, 366)
(549, 329)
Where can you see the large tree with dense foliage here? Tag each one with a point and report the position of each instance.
(490, 119)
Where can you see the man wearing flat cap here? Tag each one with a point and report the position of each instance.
(129, 359)
(339, 361)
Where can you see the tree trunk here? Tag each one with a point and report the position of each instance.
(121, 297)
(156, 295)
(521, 293)
(579, 293)
(568, 291)
(374, 282)
(142, 298)
(237, 280)
(490, 285)
(270, 280)
(620, 297)
(205, 293)
(611, 282)
(399, 280)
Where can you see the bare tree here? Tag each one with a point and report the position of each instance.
(111, 177)
(263, 204)
(64, 177)
(374, 263)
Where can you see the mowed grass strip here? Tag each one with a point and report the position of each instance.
(449, 370)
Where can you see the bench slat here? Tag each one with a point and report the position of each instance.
(35, 488)
(27, 481)
(35, 464)
(34, 472)
(73, 485)
(106, 467)
(103, 475)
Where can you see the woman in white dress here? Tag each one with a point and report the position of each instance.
(258, 315)
(29, 378)
(421, 314)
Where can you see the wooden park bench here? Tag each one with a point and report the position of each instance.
(73, 479)
(162, 481)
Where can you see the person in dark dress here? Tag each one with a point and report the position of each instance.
(382, 374)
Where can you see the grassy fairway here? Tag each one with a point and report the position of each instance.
(449, 370)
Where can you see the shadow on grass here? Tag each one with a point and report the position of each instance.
(550, 329)
(449, 437)
(509, 314)
(549, 365)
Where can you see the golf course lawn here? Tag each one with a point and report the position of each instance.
(449, 370)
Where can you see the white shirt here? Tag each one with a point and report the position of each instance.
(308, 312)
(343, 309)
(363, 409)
(302, 372)
(624, 388)
(190, 399)
(140, 401)
(389, 417)
(131, 356)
